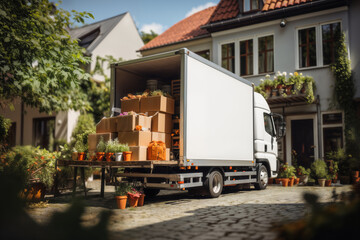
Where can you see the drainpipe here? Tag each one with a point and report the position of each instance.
(318, 110)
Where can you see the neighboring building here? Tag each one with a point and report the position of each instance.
(116, 36)
(253, 38)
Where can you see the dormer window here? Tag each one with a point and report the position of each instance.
(251, 5)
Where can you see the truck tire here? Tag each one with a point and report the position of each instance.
(151, 192)
(214, 184)
(263, 178)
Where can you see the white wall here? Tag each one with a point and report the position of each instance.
(123, 41)
(285, 45)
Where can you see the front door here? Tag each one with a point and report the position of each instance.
(302, 142)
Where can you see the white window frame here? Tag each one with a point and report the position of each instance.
(342, 124)
(255, 39)
(318, 42)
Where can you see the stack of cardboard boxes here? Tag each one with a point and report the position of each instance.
(157, 126)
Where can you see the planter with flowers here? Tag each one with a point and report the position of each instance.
(281, 85)
(319, 171)
(133, 196)
(303, 174)
(80, 149)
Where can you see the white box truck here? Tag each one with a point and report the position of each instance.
(227, 132)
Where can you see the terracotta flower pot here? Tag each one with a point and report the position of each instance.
(291, 182)
(108, 156)
(285, 182)
(288, 89)
(133, 201)
(35, 192)
(121, 201)
(141, 200)
(277, 180)
(297, 181)
(127, 155)
(81, 156)
(321, 182)
(356, 179)
(355, 173)
(100, 156)
(327, 183)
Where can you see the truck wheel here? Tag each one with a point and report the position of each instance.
(214, 184)
(151, 192)
(263, 178)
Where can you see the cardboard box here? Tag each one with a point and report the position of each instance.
(161, 122)
(138, 153)
(107, 125)
(164, 137)
(157, 104)
(138, 138)
(168, 154)
(129, 122)
(130, 105)
(93, 139)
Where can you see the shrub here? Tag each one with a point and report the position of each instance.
(85, 126)
(318, 169)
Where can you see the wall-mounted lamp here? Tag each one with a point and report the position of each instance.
(283, 23)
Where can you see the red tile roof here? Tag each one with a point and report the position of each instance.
(225, 9)
(186, 29)
(275, 4)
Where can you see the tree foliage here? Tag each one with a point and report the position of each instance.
(147, 37)
(99, 92)
(39, 62)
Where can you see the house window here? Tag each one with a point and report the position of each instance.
(330, 34)
(251, 5)
(307, 47)
(205, 54)
(332, 132)
(246, 57)
(228, 56)
(266, 54)
(44, 132)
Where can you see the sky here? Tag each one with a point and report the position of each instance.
(156, 15)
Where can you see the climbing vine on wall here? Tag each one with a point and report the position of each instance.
(344, 95)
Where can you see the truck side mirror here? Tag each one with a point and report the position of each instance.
(280, 125)
(281, 130)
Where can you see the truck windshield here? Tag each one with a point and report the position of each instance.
(269, 127)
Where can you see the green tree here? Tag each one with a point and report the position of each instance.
(39, 62)
(99, 92)
(147, 37)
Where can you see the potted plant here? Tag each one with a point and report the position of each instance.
(119, 149)
(133, 196)
(319, 171)
(279, 83)
(290, 174)
(328, 180)
(333, 170)
(80, 148)
(267, 84)
(303, 174)
(121, 191)
(285, 174)
(110, 149)
(100, 149)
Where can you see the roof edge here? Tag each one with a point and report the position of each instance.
(289, 11)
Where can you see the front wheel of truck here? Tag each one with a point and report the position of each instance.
(263, 178)
(214, 184)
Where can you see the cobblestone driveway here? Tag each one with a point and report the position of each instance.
(175, 215)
